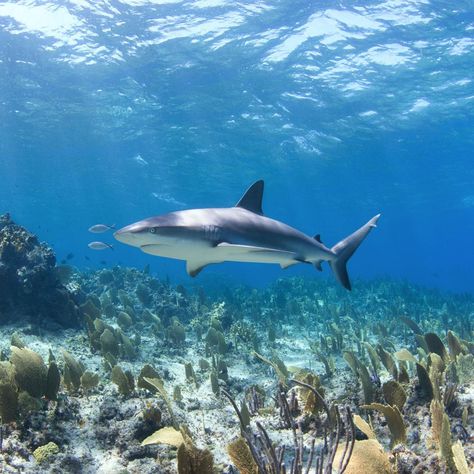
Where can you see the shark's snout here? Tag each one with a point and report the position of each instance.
(131, 234)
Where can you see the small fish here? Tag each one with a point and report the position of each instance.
(100, 228)
(99, 246)
(138, 159)
(69, 256)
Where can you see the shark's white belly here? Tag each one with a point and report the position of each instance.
(199, 255)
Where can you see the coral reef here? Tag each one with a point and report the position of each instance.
(30, 284)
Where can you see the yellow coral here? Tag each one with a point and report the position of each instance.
(44, 452)
(368, 457)
(167, 435)
(241, 456)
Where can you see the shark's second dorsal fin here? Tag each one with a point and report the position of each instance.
(252, 198)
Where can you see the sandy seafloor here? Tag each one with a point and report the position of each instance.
(106, 417)
(101, 431)
(211, 419)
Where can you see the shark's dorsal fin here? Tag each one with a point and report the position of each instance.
(318, 238)
(252, 198)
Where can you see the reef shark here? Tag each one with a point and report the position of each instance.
(238, 234)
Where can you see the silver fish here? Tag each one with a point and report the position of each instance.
(99, 246)
(239, 234)
(100, 228)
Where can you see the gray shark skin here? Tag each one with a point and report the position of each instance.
(238, 234)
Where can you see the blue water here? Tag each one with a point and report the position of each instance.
(115, 111)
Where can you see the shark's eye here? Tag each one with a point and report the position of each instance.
(152, 230)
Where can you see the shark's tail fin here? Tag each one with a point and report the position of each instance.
(345, 248)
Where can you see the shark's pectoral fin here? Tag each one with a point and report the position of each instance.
(152, 249)
(193, 268)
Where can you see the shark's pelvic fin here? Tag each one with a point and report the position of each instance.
(194, 268)
(345, 248)
(252, 198)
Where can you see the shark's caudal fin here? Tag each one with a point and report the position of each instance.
(345, 248)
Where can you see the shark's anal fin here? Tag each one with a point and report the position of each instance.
(252, 198)
(318, 266)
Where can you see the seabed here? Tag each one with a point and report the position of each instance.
(116, 371)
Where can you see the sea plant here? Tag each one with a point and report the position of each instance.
(177, 394)
(53, 381)
(8, 392)
(214, 383)
(327, 361)
(269, 459)
(424, 382)
(412, 325)
(220, 367)
(190, 374)
(123, 379)
(89, 381)
(150, 380)
(109, 343)
(368, 456)
(311, 403)
(192, 460)
(464, 368)
(124, 320)
(394, 394)
(360, 370)
(388, 361)
(445, 443)
(363, 426)
(394, 420)
(435, 345)
(373, 357)
(167, 435)
(215, 342)
(241, 456)
(176, 332)
(456, 348)
(30, 371)
(277, 365)
(17, 341)
(73, 371)
(436, 412)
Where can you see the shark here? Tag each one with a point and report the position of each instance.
(241, 233)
